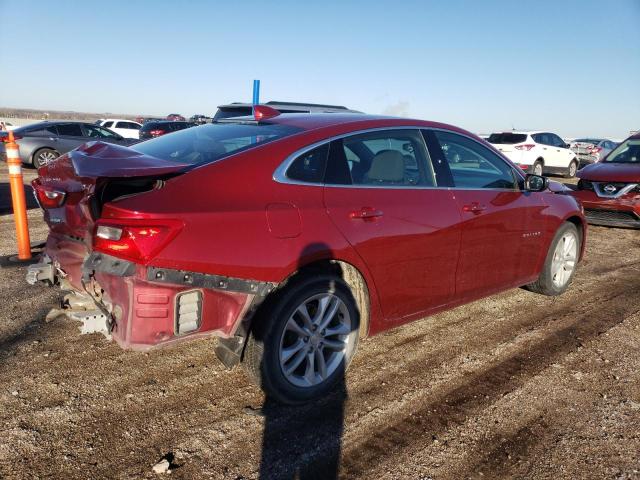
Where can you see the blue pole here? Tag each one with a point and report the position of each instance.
(256, 92)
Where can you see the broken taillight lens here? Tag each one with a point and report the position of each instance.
(48, 197)
(135, 240)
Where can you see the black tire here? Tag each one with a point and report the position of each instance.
(545, 284)
(261, 357)
(538, 166)
(572, 169)
(43, 156)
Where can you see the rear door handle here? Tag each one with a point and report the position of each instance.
(366, 213)
(474, 207)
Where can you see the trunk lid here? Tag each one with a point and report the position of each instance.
(92, 175)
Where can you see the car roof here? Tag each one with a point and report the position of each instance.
(315, 121)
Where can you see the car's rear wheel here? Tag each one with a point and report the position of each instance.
(303, 341)
(537, 167)
(44, 156)
(561, 261)
(572, 169)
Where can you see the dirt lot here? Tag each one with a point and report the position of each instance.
(517, 385)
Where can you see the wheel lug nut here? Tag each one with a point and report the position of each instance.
(306, 339)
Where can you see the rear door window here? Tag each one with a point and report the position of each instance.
(473, 165)
(69, 130)
(389, 158)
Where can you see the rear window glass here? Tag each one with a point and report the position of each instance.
(507, 138)
(211, 142)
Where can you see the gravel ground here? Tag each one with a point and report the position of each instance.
(513, 386)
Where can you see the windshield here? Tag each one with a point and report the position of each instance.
(211, 142)
(507, 138)
(626, 152)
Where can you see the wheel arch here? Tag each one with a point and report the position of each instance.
(351, 276)
(581, 225)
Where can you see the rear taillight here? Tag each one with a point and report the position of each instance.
(156, 133)
(48, 197)
(593, 150)
(135, 240)
(527, 146)
(5, 139)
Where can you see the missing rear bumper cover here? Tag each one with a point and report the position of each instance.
(203, 280)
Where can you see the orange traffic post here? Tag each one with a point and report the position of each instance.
(18, 199)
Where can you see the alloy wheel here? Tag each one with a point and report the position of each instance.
(564, 259)
(315, 340)
(46, 157)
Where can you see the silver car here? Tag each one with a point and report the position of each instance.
(42, 142)
(591, 150)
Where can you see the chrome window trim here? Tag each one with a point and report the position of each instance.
(279, 175)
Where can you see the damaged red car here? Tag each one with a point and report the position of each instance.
(610, 189)
(292, 236)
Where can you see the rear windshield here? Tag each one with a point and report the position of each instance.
(507, 138)
(626, 152)
(212, 142)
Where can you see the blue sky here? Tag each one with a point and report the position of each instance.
(568, 66)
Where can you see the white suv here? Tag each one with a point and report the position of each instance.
(537, 152)
(126, 128)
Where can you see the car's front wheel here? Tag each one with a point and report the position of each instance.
(302, 342)
(561, 261)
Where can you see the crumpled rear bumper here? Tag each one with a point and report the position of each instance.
(151, 306)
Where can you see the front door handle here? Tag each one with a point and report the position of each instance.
(366, 213)
(474, 207)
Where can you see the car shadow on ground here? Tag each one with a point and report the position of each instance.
(304, 442)
(5, 198)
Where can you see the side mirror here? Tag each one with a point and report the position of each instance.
(535, 183)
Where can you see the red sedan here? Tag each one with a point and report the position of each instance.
(610, 189)
(292, 236)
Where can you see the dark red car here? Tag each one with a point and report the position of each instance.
(175, 117)
(292, 236)
(610, 189)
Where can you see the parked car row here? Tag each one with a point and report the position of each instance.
(40, 143)
(297, 235)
